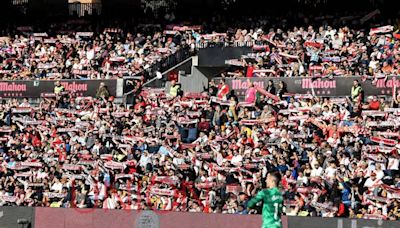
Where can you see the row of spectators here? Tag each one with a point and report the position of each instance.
(199, 153)
(298, 51)
(86, 55)
(319, 52)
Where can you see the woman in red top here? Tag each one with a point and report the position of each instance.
(250, 71)
(36, 140)
(374, 104)
(223, 90)
(140, 104)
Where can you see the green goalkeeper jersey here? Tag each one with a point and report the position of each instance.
(272, 207)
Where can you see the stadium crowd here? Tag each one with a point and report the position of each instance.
(203, 152)
(86, 55)
(314, 51)
(318, 51)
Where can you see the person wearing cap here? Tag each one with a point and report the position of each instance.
(373, 103)
(372, 182)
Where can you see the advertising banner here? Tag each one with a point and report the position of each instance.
(17, 216)
(99, 218)
(105, 218)
(317, 222)
(336, 87)
(34, 88)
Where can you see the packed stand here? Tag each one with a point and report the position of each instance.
(203, 152)
(323, 51)
(109, 54)
(318, 51)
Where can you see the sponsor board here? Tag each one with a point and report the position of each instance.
(335, 87)
(34, 88)
(147, 219)
(17, 217)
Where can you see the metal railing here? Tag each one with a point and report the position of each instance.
(84, 9)
(168, 62)
(19, 2)
(225, 44)
(161, 66)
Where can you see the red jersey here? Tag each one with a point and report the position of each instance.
(223, 91)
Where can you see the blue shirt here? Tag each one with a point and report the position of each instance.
(345, 194)
(68, 148)
(106, 179)
(141, 148)
(282, 168)
(11, 164)
(163, 151)
(192, 134)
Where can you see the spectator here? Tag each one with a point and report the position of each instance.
(58, 88)
(270, 87)
(356, 92)
(251, 93)
(102, 91)
(223, 90)
(205, 152)
(175, 89)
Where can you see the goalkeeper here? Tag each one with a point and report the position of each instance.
(272, 202)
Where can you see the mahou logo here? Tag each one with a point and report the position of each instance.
(318, 84)
(12, 87)
(382, 83)
(148, 219)
(74, 86)
(243, 84)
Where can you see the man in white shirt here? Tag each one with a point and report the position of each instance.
(317, 171)
(145, 159)
(90, 54)
(393, 164)
(110, 202)
(25, 103)
(379, 172)
(237, 159)
(74, 137)
(178, 159)
(96, 148)
(330, 171)
(371, 182)
(330, 33)
(301, 179)
(337, 43)
(57, 186)
(202, 139)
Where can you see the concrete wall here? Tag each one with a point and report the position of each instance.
(88, 218)
(194, 82)
(216, 56)
(40, 217)
(10, 217)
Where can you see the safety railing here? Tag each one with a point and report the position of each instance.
(84, 9)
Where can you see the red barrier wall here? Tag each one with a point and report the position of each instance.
(77, 218)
